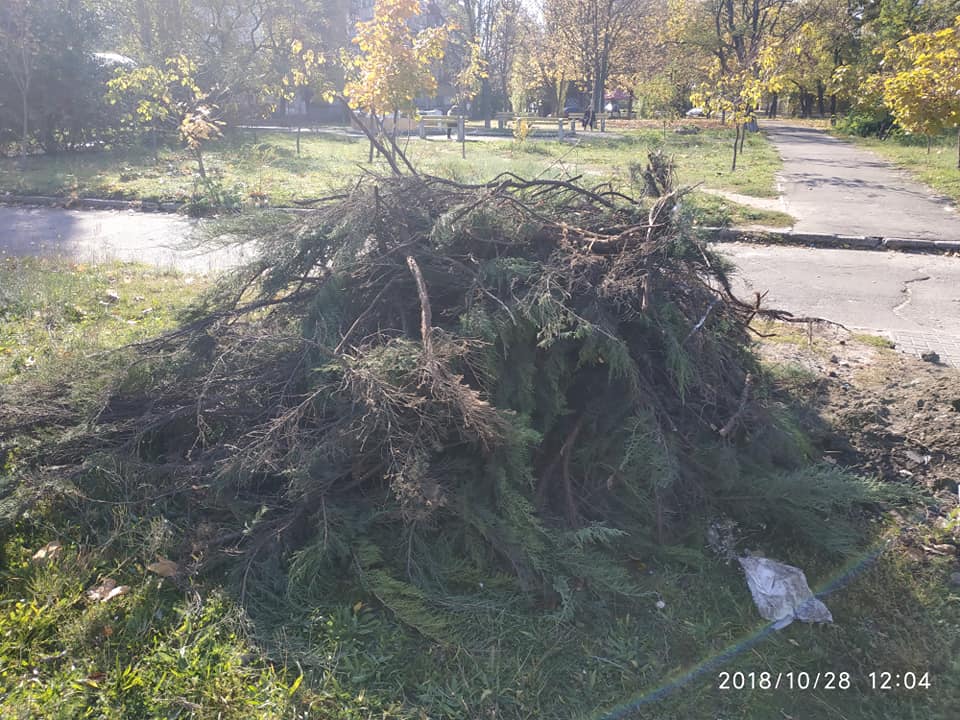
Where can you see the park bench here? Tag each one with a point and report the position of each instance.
(575, 119)
(502, 119)
(551, 121)
(599, 120)
(443, 122)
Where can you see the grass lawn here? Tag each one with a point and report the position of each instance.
(53, 313)
(937, 168)
(145, 652)
(248, 167)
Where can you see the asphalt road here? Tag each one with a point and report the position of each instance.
(832, 186)
(912, 299)
(96, 235)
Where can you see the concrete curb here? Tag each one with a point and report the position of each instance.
(828, 240)
(90, 203)
(145, 206)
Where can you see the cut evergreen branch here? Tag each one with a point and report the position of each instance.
(426, 386)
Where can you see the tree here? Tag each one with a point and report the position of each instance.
(240, 47)
(394, 65)
(19, 44)
(878, 27)
(924, 92)
(51, 80)
(469, 81)
(746, 41)
(307, 70)
(811, 58)
(168, 98)
(543, 69)
(590, 32)
(502, 54)
(528, 73)
(479, 17)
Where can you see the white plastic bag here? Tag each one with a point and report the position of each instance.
(781, 592)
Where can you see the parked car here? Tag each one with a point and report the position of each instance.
(695, 112)
(433, 112)
(571, 108)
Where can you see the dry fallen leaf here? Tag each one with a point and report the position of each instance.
(164, 568)
(100, 591)
(48, 551)
(107, 590)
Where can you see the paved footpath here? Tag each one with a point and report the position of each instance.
(912, 299)
(95, 235)
(832, 186)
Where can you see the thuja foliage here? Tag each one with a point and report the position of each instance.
(424, 388)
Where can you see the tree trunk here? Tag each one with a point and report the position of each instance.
(200, 166)
(958, 147)
(773, 107)
(743, 136)
(736, 142)
(26, 127)
(372, 129)
(820, 90)
(145, 26)
(484, 102)
(393, 132)
(298, 141)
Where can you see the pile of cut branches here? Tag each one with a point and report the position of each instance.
(422, 383)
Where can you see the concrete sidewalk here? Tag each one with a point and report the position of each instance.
(912, 299)
(832, 186)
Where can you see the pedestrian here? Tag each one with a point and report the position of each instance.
(454, 111)
(587, 118)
